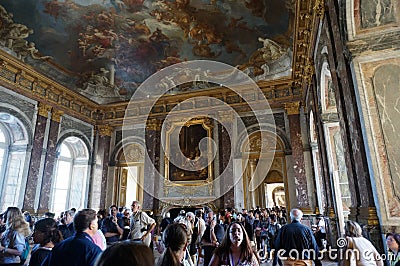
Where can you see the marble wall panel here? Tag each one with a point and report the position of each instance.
(379, 75)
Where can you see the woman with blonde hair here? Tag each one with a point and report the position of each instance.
(360, 250)
(13, 239)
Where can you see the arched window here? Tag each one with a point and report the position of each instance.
(70, 182)
(13, 146)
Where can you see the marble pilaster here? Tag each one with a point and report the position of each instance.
(153, 143)
(224, 165)
(98, 183)
(35, 161)
(300, 180)
(49, 161)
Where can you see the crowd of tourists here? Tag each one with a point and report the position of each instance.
(202, 237)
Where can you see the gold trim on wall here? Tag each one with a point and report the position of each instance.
(105, 130)
(292, 108)
(56, 115)
(44, 109)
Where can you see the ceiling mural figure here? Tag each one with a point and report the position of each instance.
(132, 39)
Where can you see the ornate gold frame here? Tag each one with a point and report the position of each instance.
(206, 123)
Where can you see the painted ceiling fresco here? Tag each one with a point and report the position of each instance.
(117, 44)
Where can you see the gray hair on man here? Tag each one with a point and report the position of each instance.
(296, 214)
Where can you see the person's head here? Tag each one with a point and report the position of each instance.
(190, 216)
(296, 215)
(86, 221)
(16, 220)
(175, 240)
(198, 213)
(393, 242)
(101, 214)
(113, 210)
(236, 236)
(167, 215)
(46, 231)
(126, 254)
(69, 216)
(126, 213)
(352, 229)
(209, 217)
(49, 215)
(135, 206)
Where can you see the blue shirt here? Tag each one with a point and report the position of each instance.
(78, 250)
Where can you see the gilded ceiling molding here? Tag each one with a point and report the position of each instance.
(153, 124)
(23, 79)
(292, 108)
(44, 109)
(105, 130)
(56, 115)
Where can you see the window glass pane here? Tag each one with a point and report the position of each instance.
(64, 151)
(2, 151)
(14, 178)
(63, 173)
(70, 183)
(2, 136)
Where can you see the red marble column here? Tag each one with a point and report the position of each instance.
(153, 143)
(101, 158)
(224, 156)
(49, 162)
(36, 156)
(300, 180)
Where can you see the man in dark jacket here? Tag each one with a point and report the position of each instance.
(78, 250)
(295, 243)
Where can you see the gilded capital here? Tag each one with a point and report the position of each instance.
(105, 130)
(292, 108)
(319, 8)
(56, 115)
(154, 124)
(44, 109)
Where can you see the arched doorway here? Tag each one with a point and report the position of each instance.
(272, 178)
(129, 175)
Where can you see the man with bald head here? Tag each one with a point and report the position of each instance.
(295, 243)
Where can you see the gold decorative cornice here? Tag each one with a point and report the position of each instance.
(44, 109)
(154, 124)
(56, 115)
(23, 79)
(292, 108)
(105, 130)
(319, 8)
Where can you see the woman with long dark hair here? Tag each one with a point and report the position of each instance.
(13, 239)
(235, 248)
(47, 235)
(175, 240)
